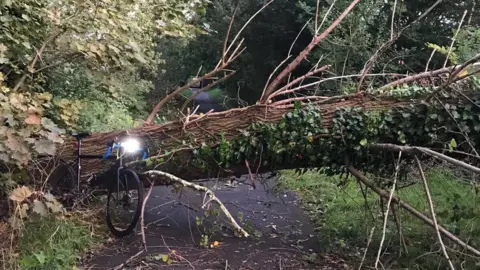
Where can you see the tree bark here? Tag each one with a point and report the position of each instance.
(207, 129)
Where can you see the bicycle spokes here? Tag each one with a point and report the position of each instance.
(124, 203)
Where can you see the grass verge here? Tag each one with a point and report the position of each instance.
(344, 221)
(51, 243)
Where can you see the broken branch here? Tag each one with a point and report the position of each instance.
(432, 212)
(303, 55)
(410, 209)
(207, 191)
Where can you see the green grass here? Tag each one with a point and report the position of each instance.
(344, 223)
(52, 243)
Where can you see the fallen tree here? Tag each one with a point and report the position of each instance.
(290, 129)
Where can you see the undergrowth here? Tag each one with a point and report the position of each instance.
(51, 243)
(344, 222)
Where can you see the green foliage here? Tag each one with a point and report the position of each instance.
(79, 66)
(25, 129)
(51, 243)
(300, 138)
(344, 221)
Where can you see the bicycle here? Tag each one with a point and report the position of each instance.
(117, 178)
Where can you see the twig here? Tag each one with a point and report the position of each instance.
(118, 267)
(432, 212)
(303, 55)
(284, 92)
(399, 228)
(369, 240)
(454, 38)
(430, 59)
(316, 16)
(410, 209)
(392, 191)
(393, 20)
(38, 53)
(224, 54)
(369, 64)
(207, 192)
(418, 76)
(142, 220)
(311, 73)
(406, 149)
(250, 174)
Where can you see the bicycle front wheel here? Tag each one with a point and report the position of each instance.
(124, 203)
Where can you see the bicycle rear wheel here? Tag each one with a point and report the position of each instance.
(126, 193)
(52, 174)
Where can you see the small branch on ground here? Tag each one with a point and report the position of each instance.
(142, 218)
(432, 212)
(121, 266)
(369, 240)
(252, 182)
(207, 191)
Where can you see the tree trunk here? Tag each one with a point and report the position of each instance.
(207, 129)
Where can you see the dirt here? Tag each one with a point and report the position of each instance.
(284, 237)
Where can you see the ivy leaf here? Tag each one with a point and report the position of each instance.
(452, 145)
(363, 142)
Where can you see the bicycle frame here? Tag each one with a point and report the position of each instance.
(80, 156)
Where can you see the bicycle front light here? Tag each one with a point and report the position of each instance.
(131, 145)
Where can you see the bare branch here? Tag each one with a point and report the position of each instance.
(410, 209)
(297, 80)
(224, 54)
(303, 55)
(455, 37)
(432, 212)
(385, 220)
(207, 191)
(410, 149)
(37, 56)
(369, 64)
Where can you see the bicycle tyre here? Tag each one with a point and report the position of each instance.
(111, 189)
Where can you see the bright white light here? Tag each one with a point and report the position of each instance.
(130, 145)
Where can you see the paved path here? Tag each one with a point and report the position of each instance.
(286, 233)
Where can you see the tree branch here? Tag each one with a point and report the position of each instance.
(410, 209)
(417, 149)
(432, 212)
(369, 64)
(207, 191)
(303, 55)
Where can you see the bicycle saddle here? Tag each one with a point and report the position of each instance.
(81, 135)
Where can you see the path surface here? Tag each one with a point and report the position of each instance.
(286, 233)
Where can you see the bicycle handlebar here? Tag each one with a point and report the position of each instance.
(113, 145)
